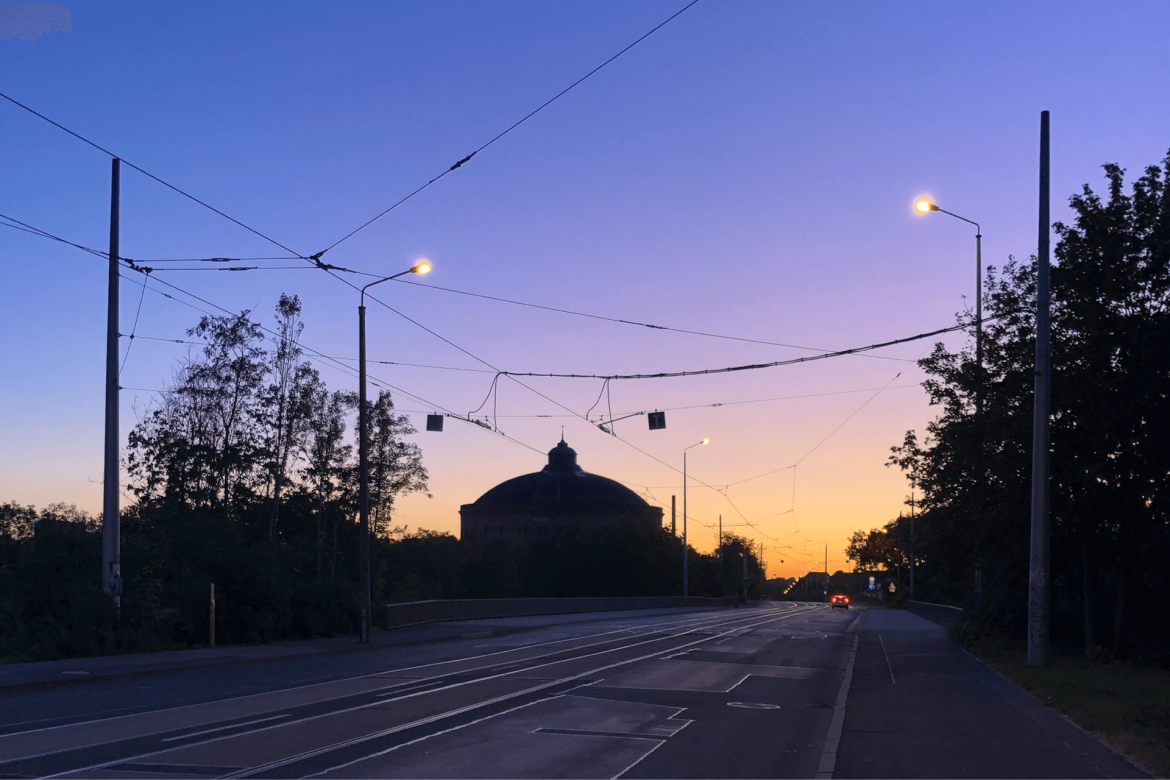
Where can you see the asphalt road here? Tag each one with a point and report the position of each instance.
(781, 690)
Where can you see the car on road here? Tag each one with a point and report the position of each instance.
(839, 600)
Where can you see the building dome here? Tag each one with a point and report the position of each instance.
(561, 481)
(559, 497)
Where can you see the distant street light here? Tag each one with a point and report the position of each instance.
(686, 582)
(925, 206)
(421, 267)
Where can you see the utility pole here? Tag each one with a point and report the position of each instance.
(363, 479)
(745, 577)
(979, 321)
(673, 529)
(111, 511)
(367, 614)
(763, 578)
(721, 538)
(1038, 580)
(911, 544)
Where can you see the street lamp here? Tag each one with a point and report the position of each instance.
(686, 582)
(421, 267)
(925, 206)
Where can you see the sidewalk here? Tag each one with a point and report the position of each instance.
(45, 675)
(919, 706)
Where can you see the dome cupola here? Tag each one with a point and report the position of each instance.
(562, 458)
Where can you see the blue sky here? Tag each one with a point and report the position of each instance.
(747, 170)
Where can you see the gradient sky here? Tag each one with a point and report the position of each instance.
(747, 170)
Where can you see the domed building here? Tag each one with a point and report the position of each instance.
(560, 497)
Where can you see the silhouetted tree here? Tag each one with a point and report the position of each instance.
(1110, 426)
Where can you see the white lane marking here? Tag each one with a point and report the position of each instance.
(833, 739)
(643, 758)
(667, 624)
(395, 689)
(549, 684)
(225, 728)
(700, 624)
(440, 733)
(356, 740)
(753, 705)
(887, 655)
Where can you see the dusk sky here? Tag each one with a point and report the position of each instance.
(748, 170)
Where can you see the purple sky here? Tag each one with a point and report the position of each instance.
(747, 170)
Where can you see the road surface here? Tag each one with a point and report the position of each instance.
(779, 690)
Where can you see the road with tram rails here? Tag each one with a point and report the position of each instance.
(778, 690)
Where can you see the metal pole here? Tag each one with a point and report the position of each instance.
(979, 322)
(763, 579)
(1038, 580)
(111, 511)
(721, 538)
(211, 632)
(686, 583)
(911, 544)
(979, 298)
(745, 577)
(363, 478)
(673, 526)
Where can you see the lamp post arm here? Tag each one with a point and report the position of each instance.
(379, 281)
(956, 216)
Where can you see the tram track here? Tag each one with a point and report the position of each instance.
(470, 682)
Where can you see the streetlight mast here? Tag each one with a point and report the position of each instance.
(925, 206)
(421, 267)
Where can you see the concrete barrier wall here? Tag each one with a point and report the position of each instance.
(939, 613)
(415, 612)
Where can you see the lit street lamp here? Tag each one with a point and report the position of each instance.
(421, 267)
(925, 206)
(686, 582)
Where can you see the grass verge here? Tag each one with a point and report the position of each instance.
(1126, 707)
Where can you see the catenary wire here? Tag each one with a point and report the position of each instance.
(748, 367)
(622, 321)
(133, 329)
(27, 228)
(857, 351)
(337, 364)
(524, 119)
(150, 175)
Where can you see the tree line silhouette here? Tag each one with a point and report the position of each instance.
(244, 474)
(1110, 468)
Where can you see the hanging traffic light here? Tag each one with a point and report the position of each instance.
(435, 422)
(657, 420)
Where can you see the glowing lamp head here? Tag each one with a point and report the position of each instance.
(706, 440)
(421, 267)
(923, 205)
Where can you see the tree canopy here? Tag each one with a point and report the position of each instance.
(1110, 431)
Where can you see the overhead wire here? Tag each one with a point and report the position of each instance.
(150, 175)
(316, 258)
(133, 329)
(495, 429)
(621, 321)
(516, 124)
(338, 364)
(748, 367)
(330, 269)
